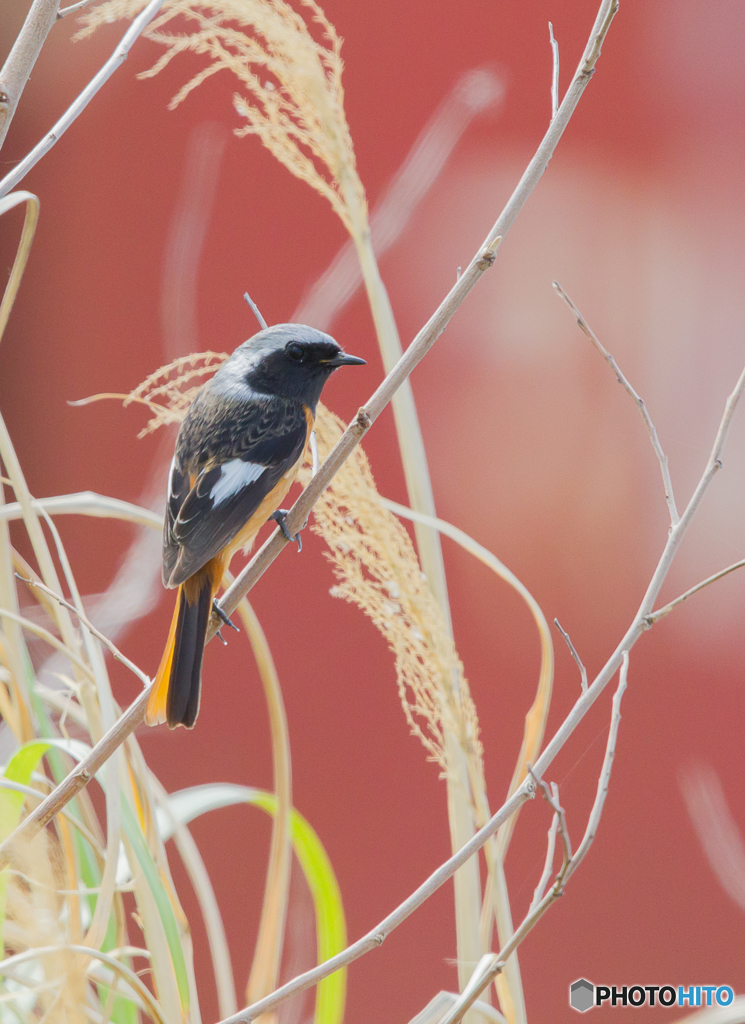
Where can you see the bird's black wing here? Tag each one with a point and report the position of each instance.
(242, 468)
(178, 489)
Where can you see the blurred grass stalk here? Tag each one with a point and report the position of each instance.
(460, 802)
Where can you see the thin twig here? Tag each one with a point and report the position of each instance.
(118, 56)
(72, 8)
(552, 799)
(662, 612)
(37, 585)
(494, 963)
(548, 864)
(625, 384)
(555, 72)
(640, 621)
(573, 652)
(256, 312)
(22, 57)
(604, 780)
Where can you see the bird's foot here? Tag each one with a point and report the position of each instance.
(279, 517)
(225, 619)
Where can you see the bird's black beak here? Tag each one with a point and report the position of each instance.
(344, 360)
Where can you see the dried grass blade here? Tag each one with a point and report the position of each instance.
(86, 503)
(24, 248)
(119, 968)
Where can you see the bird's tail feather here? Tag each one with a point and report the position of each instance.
(175, 694)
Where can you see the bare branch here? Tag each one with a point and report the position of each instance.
(38, 585)
(555, 72)
(573, 652)
(604, 780)
(623, 381)
(119, 55)
(22, 57)
(552, 799)
(494, 963)
(548, 865)
(72, 8)
(256, 311)
(662, 612)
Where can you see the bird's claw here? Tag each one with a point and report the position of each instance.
(224, 618)
(279, 517)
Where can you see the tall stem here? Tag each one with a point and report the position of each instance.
(467, 880)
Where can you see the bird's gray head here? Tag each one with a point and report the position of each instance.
(288, 361)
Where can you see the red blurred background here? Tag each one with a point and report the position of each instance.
(152, 226)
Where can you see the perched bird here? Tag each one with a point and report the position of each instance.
(238, 451)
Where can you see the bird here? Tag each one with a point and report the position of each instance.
(238, 451)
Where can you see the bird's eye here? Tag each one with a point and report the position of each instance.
(295, 351)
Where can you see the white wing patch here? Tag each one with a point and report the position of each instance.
(234, 476)
(174, 469)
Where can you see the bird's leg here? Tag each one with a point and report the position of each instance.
(279, 517)
(225, 619)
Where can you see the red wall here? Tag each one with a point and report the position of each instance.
(534, 450)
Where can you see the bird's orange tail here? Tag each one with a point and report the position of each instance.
(174, 697)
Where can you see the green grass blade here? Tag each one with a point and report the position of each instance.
(77, 750)
(19, 769)
(331, 931)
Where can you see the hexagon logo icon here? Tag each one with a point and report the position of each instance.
(581, 995)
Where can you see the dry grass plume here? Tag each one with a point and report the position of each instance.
(290, 74)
